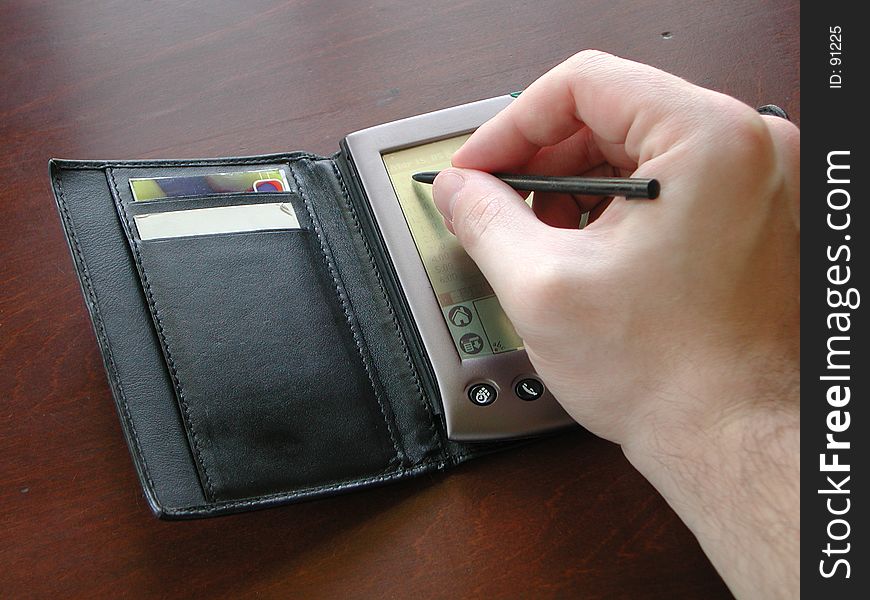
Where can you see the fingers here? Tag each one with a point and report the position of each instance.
(787, 142)
(492, 221)
(564, 210)
(576, 155)
(572, 156)
(632, 109)
(557, 210)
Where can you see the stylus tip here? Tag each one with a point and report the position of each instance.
(425, 176)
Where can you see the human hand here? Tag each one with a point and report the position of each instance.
(646, 318)
(669, 326)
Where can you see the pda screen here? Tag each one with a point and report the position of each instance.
(473, 314)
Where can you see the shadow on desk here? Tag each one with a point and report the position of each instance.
(472, 532)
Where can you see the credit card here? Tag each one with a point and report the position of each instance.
(219, 219)
(154, 188)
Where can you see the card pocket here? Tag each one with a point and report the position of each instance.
(211, 201)
(270, 378)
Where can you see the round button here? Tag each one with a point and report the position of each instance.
(529, 389)
(482, 394)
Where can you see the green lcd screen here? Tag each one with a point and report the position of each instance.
(473, 314)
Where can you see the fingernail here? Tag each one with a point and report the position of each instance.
(445, 190)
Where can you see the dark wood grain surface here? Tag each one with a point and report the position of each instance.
(562, 518)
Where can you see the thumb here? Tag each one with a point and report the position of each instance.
(492, 221)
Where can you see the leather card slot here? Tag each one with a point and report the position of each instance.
(288, 206)
(124, 173)
(215, 200)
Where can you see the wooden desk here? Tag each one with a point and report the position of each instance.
(566, 517)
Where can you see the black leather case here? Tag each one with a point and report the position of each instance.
(259, 368)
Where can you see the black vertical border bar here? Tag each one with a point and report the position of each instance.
(832, 118)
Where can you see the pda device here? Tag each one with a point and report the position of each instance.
(488, 387)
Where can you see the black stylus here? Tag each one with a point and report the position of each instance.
(589, 186)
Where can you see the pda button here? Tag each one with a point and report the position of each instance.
(529, 389)
(482, 394)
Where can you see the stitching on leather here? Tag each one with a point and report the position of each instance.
(344, 305)
(421, 396)
(330, 487)
(169, 360)
(205, 162)
(101, 333)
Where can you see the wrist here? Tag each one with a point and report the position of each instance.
(734, 481)
(710, 403)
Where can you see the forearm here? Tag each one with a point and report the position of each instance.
(735, 483)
